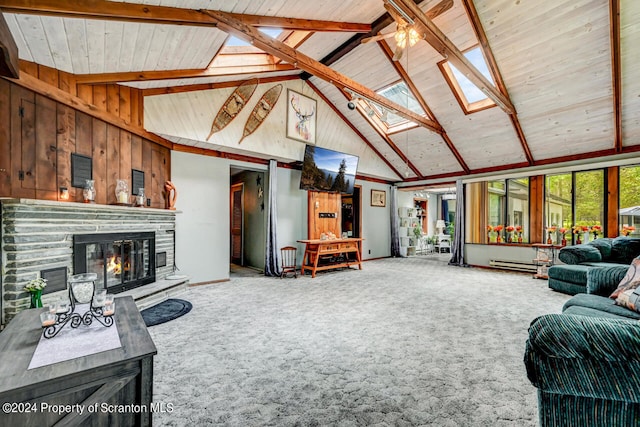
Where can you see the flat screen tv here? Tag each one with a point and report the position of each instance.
(328, 170)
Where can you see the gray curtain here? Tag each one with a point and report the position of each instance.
(271, 264)
(395, 222)
(457, 249)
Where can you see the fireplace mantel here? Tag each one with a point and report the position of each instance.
(38, 235)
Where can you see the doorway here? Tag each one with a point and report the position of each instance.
(248, 218)
(237, 223)
(352, 213)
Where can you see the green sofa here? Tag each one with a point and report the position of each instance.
(585, 362)
(571, 276)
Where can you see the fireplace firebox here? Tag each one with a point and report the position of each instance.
(122, 261)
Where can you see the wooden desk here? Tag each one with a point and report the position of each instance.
(122, 376)
(315, 249)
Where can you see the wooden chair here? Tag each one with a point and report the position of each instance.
(288, 256)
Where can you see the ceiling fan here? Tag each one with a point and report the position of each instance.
(406, 34)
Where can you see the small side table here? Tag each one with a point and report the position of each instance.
(545, 258)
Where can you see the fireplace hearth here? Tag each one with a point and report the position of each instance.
(122, 261)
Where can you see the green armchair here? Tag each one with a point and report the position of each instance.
(586, 369)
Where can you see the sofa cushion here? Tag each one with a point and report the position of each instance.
(596, 302)
(592, 312)
(605, 264)
(624, 250)
(579, 253)
(629, 299)
(604, 245)
(603, 281)
(631, 279)
(569, 273)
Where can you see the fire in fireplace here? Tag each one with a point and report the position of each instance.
(121, 260)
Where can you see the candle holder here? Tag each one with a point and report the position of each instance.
(81, 290)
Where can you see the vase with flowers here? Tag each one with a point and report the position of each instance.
(627, 229)
(510, 229)
(551, 230)
(563, 233)
(578, 230)
(596, 229)
(519, 231)
(489, 231)
(35, 288)
(498, 230)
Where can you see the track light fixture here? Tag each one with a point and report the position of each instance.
(351, 105)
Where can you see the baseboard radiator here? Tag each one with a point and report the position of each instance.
(526, 267)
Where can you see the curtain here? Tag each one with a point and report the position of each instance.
(457, 249)
(444, 213)
(395, 240)
(271, 265)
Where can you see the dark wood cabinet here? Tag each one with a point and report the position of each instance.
(108, 381)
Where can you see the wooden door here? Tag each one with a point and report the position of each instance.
(237, 216)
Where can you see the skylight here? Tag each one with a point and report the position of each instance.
(470, 97)
(233, 41)
(401, 95)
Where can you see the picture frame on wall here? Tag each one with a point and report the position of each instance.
(301, 117)
(378, 198)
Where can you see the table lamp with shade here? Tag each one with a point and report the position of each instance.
(440, 226)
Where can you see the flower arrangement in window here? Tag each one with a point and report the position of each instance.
(596, 229)
(510, 229)
(498, 230)
(627, 229)
(578, 230)
(551, 230)
(519, 231)
(563, 232)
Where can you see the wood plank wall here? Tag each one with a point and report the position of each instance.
(41, 135)
(319, 201)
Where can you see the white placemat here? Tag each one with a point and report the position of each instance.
(71, 343)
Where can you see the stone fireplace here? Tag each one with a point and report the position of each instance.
(38, 238)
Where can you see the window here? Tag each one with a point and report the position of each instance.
(237, 52)
(386, 120)
(574, 199)
(468, 95)
(629, 214)
(508, 205)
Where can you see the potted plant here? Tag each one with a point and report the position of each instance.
(35, 288)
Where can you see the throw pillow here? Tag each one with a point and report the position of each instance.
(630, 299)
(624, 249)
(578, 254)
(631, 280)
(604, 245)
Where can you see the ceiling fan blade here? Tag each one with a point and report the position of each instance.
(377, 37)
(398, 53)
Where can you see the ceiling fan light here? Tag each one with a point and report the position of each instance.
(413, 36)
(401, 37)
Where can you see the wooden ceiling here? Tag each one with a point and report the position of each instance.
(566, 71)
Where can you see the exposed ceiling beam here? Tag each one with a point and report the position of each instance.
(388, 140)
(131, 76)
(33, 83)
(353, 128)
(9, 65)
(378, 25)
(616, 70)
(209, 86)
(416, 93)
(472, 13)
(448, 50)
(108, 10)
(245, 32)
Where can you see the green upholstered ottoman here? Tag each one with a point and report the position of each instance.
(568, 279)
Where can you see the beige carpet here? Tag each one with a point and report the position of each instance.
(404, 342)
